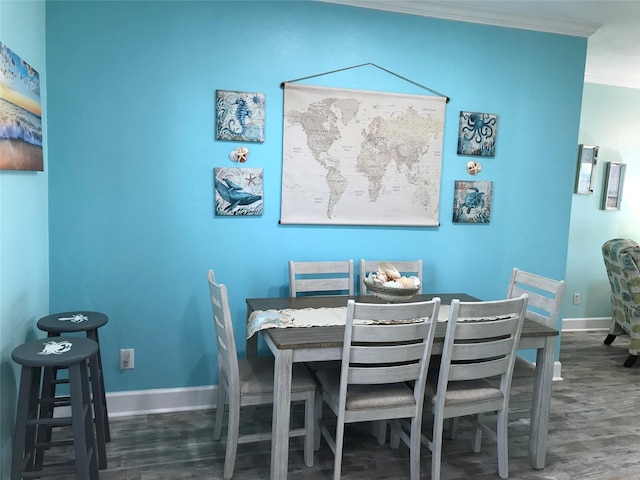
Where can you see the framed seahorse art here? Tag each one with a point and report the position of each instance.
(239, 116)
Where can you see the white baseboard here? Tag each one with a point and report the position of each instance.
(164, 400)
(557, 371)
(585, 324)
(139, 402)
(167, 400)
(557, 368)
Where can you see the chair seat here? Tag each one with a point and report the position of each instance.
(365, 397)
(256, 376)
(464, 392)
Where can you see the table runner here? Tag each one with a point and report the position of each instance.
(308, 317)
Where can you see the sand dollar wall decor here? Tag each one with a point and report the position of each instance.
(473, 168)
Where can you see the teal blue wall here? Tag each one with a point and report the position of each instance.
(132, 152)
(610, 118)
(24, 251)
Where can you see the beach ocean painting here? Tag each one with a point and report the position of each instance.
(20, 114)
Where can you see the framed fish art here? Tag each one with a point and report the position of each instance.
(238, 191)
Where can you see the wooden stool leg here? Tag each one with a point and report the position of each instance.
(25, 435)
(89, 426)
(103, 396)
(82, 422)
(98, 411)
(47, 403)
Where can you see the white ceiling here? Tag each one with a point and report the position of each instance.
(612, 26)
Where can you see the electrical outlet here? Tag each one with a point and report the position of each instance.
(576, 298)
(126, 358)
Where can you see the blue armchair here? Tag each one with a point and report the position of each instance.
(622, 261)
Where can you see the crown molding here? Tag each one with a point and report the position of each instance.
(451, 11)
(614, 80)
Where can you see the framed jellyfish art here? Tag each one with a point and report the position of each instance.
(477, 134)
(239, 116)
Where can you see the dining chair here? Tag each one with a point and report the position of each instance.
(481, 341)
(545, 296)
(249, 382)
(405, 267)
(544, 304)
(319, 278)
(379, 359)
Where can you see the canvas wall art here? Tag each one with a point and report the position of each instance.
(238, 191)
(20, 114)
(239, 116)
(477, 134)
(472, 202)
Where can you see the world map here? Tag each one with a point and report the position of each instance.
(357, 157)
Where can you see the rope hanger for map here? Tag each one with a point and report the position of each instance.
(282, 85)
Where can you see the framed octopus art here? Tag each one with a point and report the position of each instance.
(477, 134)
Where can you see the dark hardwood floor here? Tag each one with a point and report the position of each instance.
(594, 435)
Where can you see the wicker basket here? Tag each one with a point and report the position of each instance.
(392, 295)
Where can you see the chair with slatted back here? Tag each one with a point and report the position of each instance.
(318, 278)
(545, 296)
(480, 343)
(544, 304)
(382, 377)
(545, 301)
(405, 267)
(249, 382)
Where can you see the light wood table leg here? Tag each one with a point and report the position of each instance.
(541, 408)
(251, 344)
(281, 414)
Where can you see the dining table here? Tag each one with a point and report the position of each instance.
(324, 343)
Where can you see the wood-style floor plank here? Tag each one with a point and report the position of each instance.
(594, 435)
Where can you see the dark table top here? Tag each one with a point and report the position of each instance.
(332, 336)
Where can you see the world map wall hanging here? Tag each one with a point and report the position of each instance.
(357, 157)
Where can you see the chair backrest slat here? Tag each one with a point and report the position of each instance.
(474, 371)
(483, 328)
(319, 278)
(388, 374)
(388, 354)
(484, 350)
(405, 267)
(381, 333)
